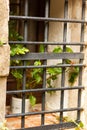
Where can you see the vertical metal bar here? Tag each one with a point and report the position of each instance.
(24, 63)
(64, 49)
(81, 49)
(25, 22)
(45, 62)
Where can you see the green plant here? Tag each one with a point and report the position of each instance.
(1, 43)
(73, 74)
(54, 72)
(3, 126)
(72, 71)
(17, 49)
(3, 123)
(78, 125)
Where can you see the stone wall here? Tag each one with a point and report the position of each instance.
(4, 54)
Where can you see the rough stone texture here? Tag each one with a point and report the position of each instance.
(2, 97)
(4, 60)
(4, 54)
(4, 16)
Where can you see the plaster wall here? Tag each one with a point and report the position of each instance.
(4, 54)
(75, 12)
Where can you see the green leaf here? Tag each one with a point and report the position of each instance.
(57, 50)
(48, 81)
(68, 61)
(54, 71)
(81, 124)
(20, 38)
(68, 49)
(15, 62)
(38, 78)
(17, 74)
(54, 77)
(1, 43)
(73, 73)
(36, 63)
(41, 49)
(32, 100)
(18, 50)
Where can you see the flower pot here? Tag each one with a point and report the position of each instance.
(16, 106)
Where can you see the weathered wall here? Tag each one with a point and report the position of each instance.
(74, 28)
(4, 54)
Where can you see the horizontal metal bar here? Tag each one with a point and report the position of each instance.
(47, 19)
(64, 125)
(44, 89)
(47, 66)
(44, 112)
(48, 56)
(47, 43)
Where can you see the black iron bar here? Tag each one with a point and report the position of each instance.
(45, 89)
(24, 63)
(62, 96)
(63, 125)
(48, 66)
(48, 56)
(47, 43)
(44, 112)
(45, 60)
(47, 19)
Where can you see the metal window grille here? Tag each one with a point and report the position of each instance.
(24, 20)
